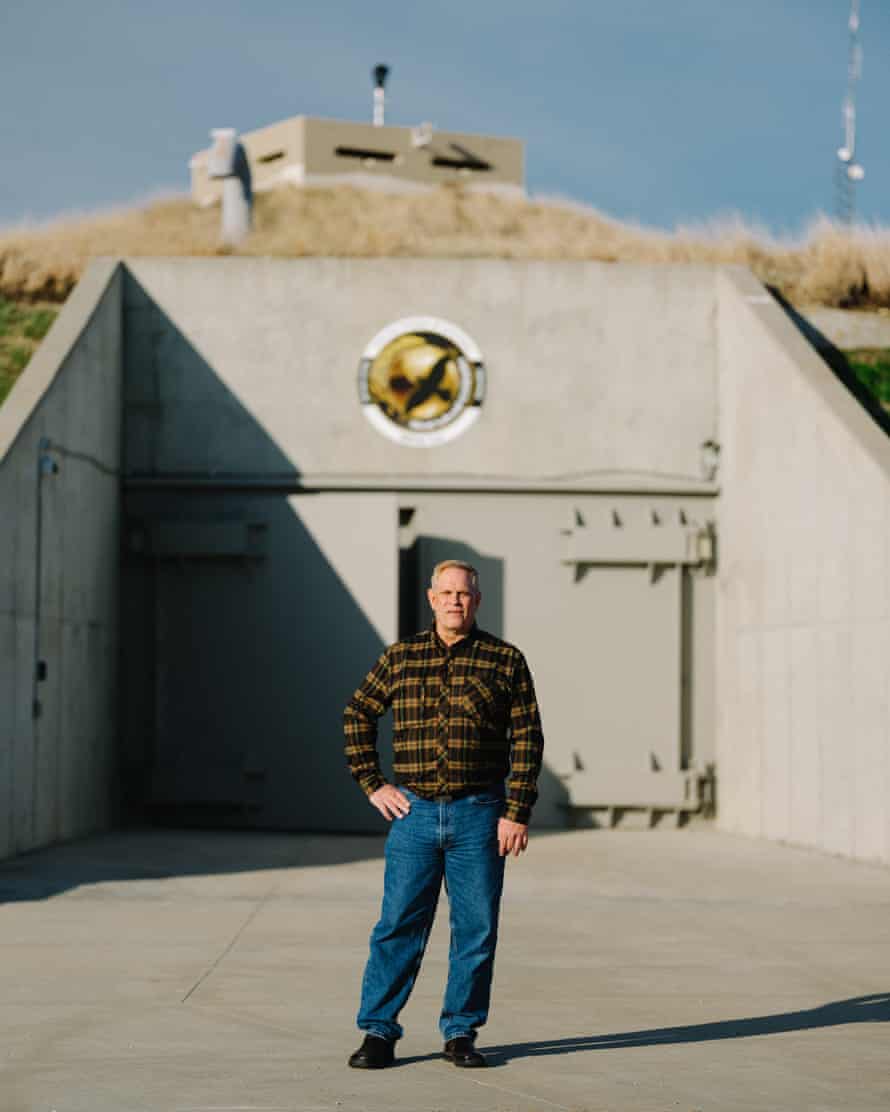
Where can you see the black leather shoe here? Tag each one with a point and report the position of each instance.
(375, 1053)
(464, 1054)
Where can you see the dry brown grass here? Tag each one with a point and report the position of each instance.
(829, 265)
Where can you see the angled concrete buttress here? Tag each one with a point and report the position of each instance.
(60, 450)
(803, 613)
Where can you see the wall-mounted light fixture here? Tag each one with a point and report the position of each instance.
(46, 464)
(709, 459)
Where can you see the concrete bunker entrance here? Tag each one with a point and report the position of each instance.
(251, 615)
(256, 595)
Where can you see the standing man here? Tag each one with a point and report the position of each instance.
(465, 721)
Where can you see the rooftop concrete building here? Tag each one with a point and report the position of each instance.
(224, 482)
(307, 151)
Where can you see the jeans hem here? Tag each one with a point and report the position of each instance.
(448, 1036)
(379, 1034)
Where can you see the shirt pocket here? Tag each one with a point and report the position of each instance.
(486, 703)
(409, 701)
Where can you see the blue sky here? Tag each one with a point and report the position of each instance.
(655, 111)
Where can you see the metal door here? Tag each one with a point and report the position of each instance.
(268, 615)
(596, 592)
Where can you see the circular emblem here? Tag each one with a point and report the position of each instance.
(421, 381)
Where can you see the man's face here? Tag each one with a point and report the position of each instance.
(454, 602)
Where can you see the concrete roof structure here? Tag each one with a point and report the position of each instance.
(307, 151)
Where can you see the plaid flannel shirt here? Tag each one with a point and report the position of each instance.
(465, 718)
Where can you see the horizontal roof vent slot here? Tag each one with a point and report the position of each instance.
(364, 153)
(272, 156)
(465, 160)
(462, 163)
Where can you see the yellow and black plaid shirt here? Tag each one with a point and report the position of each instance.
(464, 718)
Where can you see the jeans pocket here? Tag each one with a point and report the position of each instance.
(411, 796)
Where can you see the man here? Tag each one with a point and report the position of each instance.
(465, 720)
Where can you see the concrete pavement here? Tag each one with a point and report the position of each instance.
(160, 970)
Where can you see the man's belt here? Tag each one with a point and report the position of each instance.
(450, 797)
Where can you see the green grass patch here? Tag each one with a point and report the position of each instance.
(5, 386)
(22, 327)
(10, 317)
(38, 323)
(871, 366)
(17, 359)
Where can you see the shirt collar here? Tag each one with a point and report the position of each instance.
(458, 645)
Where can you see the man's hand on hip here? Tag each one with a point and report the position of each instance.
(512, 837)
(390, 802)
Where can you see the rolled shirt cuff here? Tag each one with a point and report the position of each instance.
(370, 784)
(517, 812)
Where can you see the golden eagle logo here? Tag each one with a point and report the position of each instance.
(417, 382)
(415, 377)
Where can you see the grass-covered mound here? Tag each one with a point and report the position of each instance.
(829, 265)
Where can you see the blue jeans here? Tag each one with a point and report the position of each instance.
(436, 840)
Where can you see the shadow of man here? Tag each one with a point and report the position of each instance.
(874, 1008)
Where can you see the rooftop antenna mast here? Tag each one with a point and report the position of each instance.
(379, 73)
(848, 171)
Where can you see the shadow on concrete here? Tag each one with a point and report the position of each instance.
(157, 854)
(240, 641)
(139, 854)
(874, 1008)
(835, 359)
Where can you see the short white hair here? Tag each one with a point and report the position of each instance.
(463, 565)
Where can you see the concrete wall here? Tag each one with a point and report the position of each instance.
(596, 372)
(60, 565)
(803, 609)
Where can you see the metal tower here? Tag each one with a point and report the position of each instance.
(847, 170)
